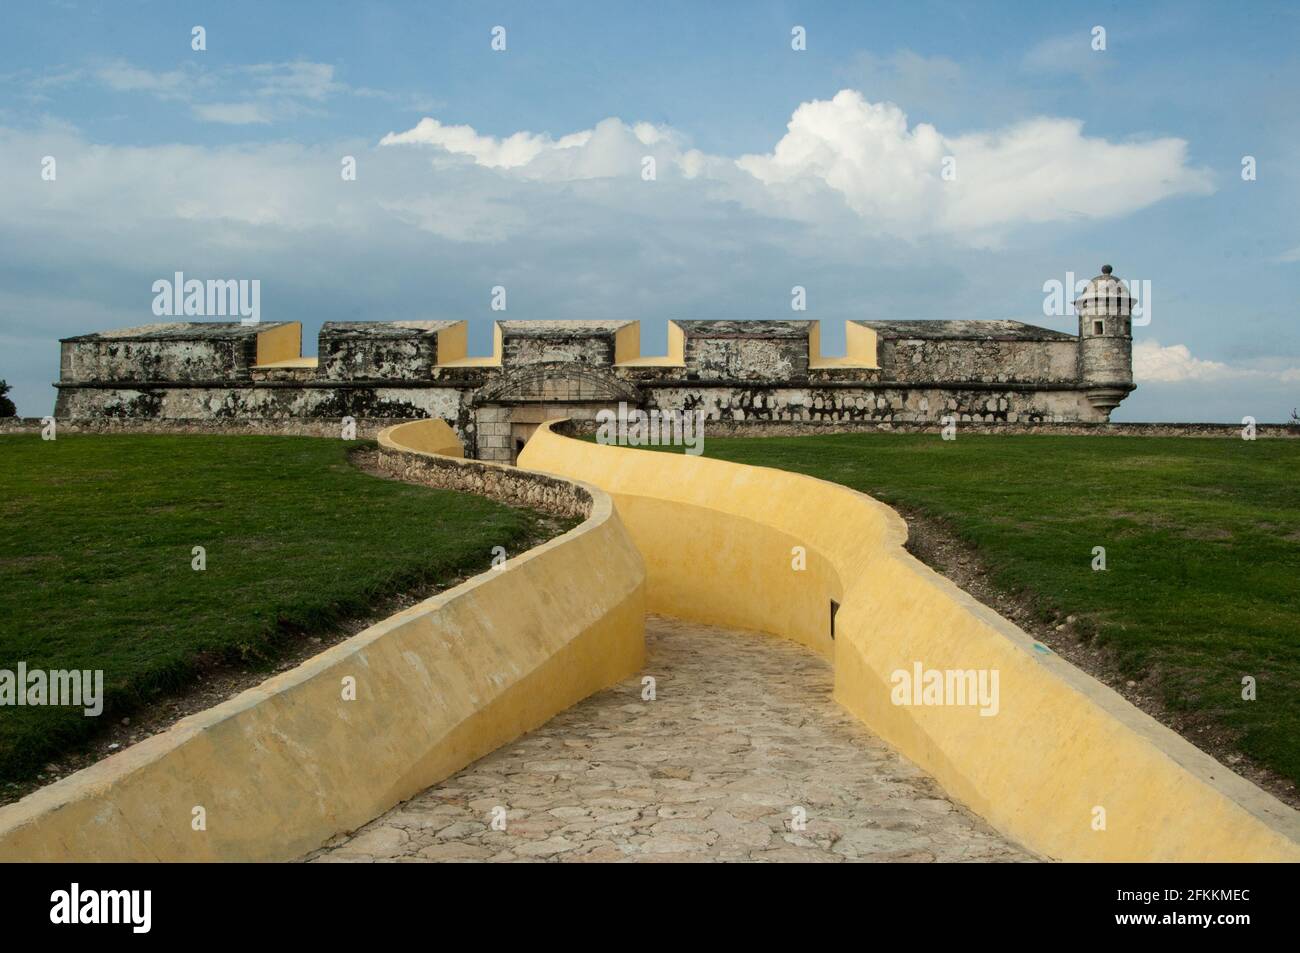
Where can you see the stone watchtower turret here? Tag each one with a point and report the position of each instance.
(1105, 340)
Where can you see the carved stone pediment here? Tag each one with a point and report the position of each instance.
(565, 383)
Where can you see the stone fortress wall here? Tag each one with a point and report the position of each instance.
(735, 371)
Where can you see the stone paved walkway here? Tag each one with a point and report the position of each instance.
(742, 732)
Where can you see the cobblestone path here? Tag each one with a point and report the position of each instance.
(741, 738)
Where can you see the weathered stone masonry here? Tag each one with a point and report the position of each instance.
(895, 372)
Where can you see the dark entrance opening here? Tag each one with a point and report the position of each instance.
(835, 607)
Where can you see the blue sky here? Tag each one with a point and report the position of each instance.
(774, 168)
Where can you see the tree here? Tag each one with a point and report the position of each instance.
(7, 408)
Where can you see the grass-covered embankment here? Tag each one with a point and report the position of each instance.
(97, 548)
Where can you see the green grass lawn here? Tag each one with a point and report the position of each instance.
(1202, 540)
(95, 559)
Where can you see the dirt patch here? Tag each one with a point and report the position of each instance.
(934, 543)
(1148, 521)
(219, 680)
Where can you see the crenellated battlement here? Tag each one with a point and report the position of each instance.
(734, 370)
(427, 351)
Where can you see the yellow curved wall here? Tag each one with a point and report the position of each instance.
(716, 538)
(428, 436)
(285, 766)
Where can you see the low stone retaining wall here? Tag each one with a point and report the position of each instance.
(806, 428)
(367, 428)
(496, 481)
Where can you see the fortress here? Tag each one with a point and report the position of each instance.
(701, 547)
(743, 371)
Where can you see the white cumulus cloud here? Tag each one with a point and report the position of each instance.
(1039, 171)
(1154, 363)
(865, 157)
(508, 153)
(608, 150)
(1157, 363)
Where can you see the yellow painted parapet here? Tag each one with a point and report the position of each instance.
(627, 347)
(627, 342)
(719, 543)
(860, 348)
(279, 344)
(283, 767)
(434, 436)
(290, 363)
(453, 347)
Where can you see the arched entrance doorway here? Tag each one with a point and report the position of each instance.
(508, 410)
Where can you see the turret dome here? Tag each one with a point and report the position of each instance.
(1104, 295)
